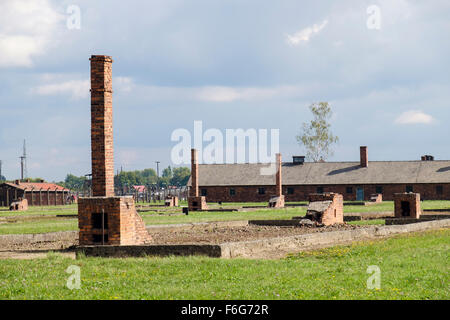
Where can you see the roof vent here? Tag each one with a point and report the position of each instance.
(298, 160)
(427, 158)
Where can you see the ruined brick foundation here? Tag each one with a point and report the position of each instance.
(276, 202)
(376, 198)
(171, 201)
(197, 203)
(326, 208)
(110, 221)
(407, 205)
(19, 205)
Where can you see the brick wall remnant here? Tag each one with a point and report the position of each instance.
(19, 205)
(326, 209)
(376, 198)
(171, 201)
(407, 205)
(110, 221)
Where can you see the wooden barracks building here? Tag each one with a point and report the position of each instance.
(356, 181)
(36, 193)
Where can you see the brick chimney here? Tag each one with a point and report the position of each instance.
(102, 127)
(278, 176)
(364, 157)
(427, 158)
(194, 173)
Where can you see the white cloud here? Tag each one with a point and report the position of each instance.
(124, 84)
(414, 117)
(229, 94)
(26, 29)
(78, 89)
(222, 94)
(305, 35)
(61, 84)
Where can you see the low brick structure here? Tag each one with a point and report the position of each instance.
(195, 201)
(171, 201)
(276, 202)
(407, 205)
(110, 221)
(376, 198)
(326, 208)
(19, 205)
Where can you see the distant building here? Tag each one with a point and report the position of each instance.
(37, 193)
(140, 189)
(356, 181)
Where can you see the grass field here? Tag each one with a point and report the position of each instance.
(44, 210)
(70, 224)
(412, 266)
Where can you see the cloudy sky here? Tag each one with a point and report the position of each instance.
(382, 64)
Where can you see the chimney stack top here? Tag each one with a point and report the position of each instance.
(298, 159)
(364, 156)
(427, 157)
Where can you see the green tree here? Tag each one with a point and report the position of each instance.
(137, 177)
(316, 136)
(73, 182)
(166, 178)
(180, 176)
(33, 179)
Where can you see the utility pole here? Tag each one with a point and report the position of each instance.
(1, 170)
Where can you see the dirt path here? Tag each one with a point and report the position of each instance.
(234, 234)
(26, 255)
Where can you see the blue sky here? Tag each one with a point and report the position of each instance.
(232, 64)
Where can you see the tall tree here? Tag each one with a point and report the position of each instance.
(316, 135)
(180, 176)
(166, 177)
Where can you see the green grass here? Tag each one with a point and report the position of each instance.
(368, 222)
(386, 206)
(44, 210)
(39, 226)
(413, 266)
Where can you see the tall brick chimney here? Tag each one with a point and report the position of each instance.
(102, 127)
(364, 157)
(278, 176)
(194, 173)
